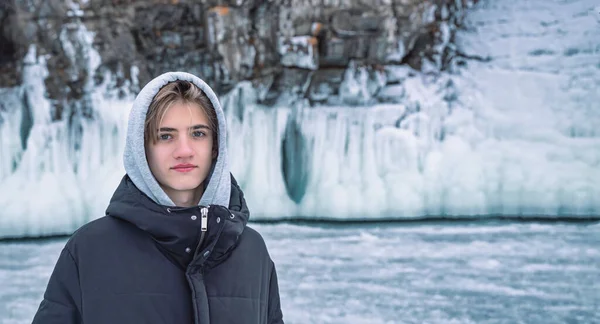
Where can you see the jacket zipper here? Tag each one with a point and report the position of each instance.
(204, 219)
(203, 228)
(201, 314)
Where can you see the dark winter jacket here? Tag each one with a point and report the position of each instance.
(148, 261)
(132, 267)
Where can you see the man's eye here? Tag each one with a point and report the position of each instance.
(164, 137)
(198, 134)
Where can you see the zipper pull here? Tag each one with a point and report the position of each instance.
(204, 219)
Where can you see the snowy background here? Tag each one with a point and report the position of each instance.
(514, 132)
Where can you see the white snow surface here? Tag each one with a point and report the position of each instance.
(492, 273)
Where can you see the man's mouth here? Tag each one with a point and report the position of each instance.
(184, 167)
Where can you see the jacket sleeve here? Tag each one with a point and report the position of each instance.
(275, 314)
(62, 299)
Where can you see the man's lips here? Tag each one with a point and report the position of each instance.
(184, 167)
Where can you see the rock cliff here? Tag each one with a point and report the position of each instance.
(305, 47)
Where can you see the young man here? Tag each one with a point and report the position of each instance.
(174, 246)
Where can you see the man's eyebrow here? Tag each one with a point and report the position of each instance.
(199, 126)
(169, 129)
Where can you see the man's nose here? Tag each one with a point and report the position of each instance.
(184, 148)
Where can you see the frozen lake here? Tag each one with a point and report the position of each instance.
(478, 272)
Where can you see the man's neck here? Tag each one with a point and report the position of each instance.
(186, 198)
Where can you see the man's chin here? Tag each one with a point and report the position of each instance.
(185, 187)
(183, 184)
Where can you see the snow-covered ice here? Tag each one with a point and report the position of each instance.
(494, 272)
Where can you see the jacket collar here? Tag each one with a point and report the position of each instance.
(177, 230)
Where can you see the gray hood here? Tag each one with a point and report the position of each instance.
(136, 166)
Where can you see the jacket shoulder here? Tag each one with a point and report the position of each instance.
(252, 241)
(101, 231)
(100, 226)
(252, 235)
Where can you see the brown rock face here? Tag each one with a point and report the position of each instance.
(274, 43)
(12, 45)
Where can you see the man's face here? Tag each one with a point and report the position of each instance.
(182, 155)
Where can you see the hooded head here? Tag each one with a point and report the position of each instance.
(170, 149)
